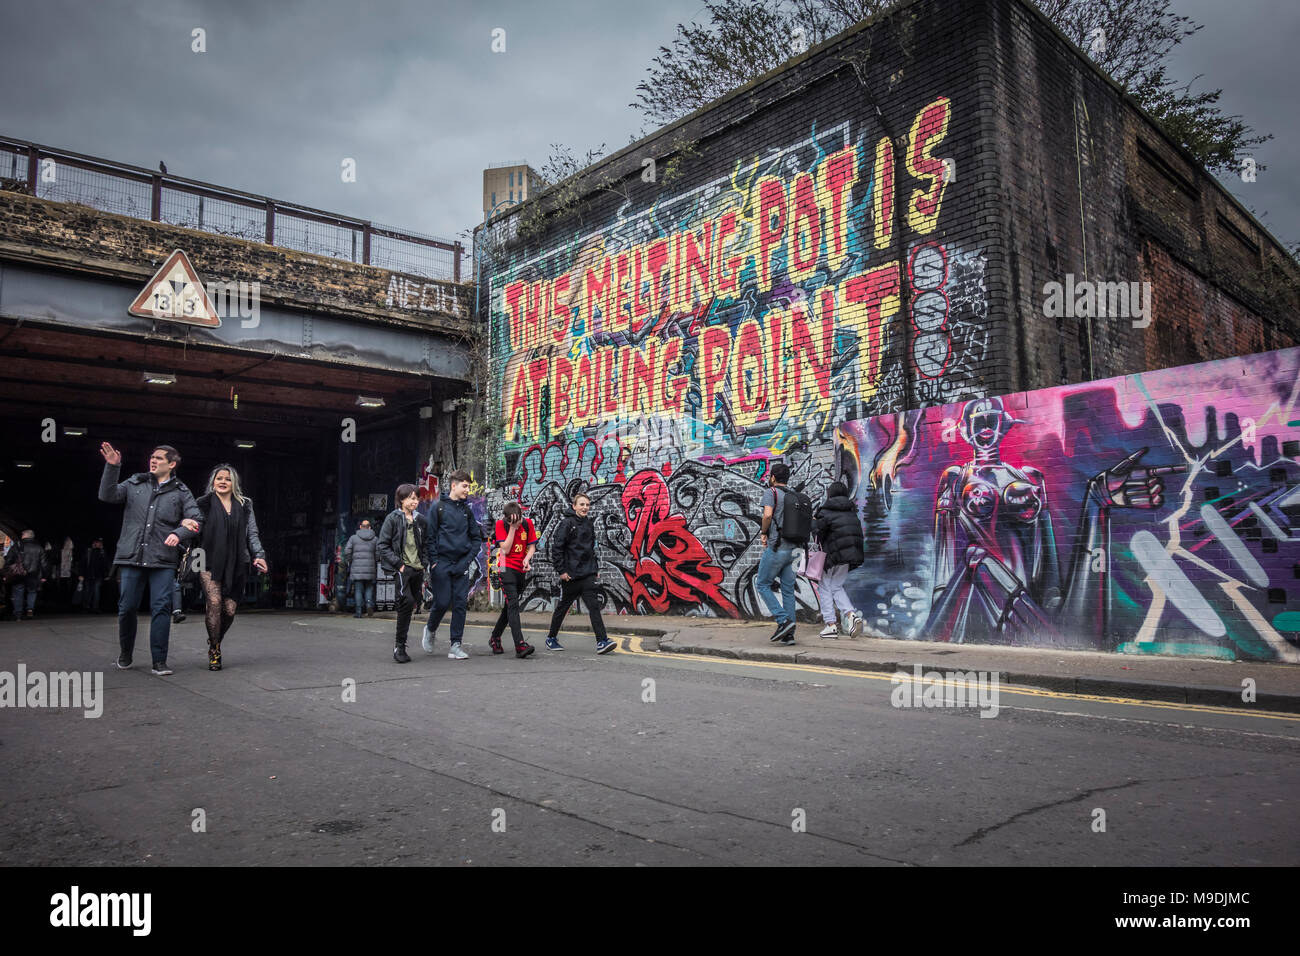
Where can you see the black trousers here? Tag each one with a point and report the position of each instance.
(409, 585)
(587, 589)
(512, 584)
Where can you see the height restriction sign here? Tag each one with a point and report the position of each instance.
(176, 293)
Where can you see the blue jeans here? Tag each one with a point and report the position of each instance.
(24, 594)
(774, 564)
(160, 582)
(363, 595)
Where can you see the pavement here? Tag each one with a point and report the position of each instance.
(1181, 680)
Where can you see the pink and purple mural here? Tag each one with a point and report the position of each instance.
(1152, 513)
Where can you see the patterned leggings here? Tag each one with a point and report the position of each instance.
(219, 613)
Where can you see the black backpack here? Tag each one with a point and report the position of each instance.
(796, 517)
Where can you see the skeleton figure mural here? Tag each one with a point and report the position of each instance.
(997, 575)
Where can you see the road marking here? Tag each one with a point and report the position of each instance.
(1152, 723)
(635, 645)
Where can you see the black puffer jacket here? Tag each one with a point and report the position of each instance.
(33, 558)
(152, 514)
(839, 531)
(573, 547)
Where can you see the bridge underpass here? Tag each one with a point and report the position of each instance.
(271, 395)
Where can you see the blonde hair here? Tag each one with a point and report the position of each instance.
(234, 482)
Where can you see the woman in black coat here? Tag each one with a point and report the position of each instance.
(229, 540)
(840, 533)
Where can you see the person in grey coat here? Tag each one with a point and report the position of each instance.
(160, 514)
(359, 554)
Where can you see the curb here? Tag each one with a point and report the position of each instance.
(1227, 697)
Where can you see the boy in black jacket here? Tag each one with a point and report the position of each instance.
(454, 542)
(401, 551)
(573, 553)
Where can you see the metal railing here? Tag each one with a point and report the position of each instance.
(103, 184)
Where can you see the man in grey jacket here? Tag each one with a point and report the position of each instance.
(359, 554)
(160, 514)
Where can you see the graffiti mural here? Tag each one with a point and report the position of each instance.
(665, 359)
(1154, 513)
(687, 544)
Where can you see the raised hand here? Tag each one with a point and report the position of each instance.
(1126, 485)
(111, 454)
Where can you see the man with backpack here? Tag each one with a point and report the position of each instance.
(453, 545)
(27, 571)
(787, 525)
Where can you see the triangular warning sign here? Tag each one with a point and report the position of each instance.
(176, 293)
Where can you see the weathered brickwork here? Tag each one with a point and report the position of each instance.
(726, 292)
(1091, 188)
(79, 238)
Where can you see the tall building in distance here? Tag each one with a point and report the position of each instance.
(505, 184)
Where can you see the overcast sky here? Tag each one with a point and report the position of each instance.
(411, 90)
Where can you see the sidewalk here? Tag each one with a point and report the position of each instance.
(1175, 679)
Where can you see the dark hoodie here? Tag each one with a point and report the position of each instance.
(360, 555)
(573, 546)
(455, 538)
(838, 529)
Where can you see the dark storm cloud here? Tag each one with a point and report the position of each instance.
(287, 90)
(412, 91)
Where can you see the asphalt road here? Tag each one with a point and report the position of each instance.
(561, 759)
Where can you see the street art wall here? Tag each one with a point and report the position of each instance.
(663, 360)
(1152, 513)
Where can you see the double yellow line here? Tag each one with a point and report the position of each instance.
(631, 644)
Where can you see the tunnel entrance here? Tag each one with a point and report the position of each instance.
(280, 421)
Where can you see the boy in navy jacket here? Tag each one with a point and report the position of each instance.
(453, 545)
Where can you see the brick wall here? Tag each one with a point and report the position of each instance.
(1092, 189)
(635, 358)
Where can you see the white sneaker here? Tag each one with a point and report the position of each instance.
(855, 626)
(456, 654)
(830, 630)
(427, 640)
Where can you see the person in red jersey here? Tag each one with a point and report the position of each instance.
(518, 540)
